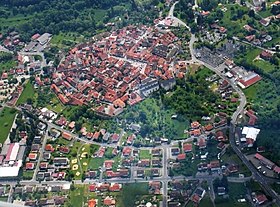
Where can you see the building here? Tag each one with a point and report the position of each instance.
(11, 159)
(266, 162)
(148, 86)
(250, 133)
(44, 39)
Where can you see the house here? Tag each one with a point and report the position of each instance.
(202, 166)
(214, 165)
(66, 136)
(187, 147)
(64, 149)
(140, 173)
(92, 203)
(156, 152)
(155, 172)
(260, 199)
(60, 161)
(108, 164)
(33, 156)
(156, 162)
(232, 168)
(103, 187)
(265, 22)
(49, 148)
(115, 138)
(175, 151)
(144, 163)
(221, 146)
(29, 166)
(181, 157)
(91, 174)
(126, 151)
(43, 166)
(198, 195)
(115, 187)
(201, 143)
(221, 191)
(109, 201)
(35, 147)
(195, 125)
(266, 55)
(92, 187)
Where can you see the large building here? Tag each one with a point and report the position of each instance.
(249, 135)
(11, 159)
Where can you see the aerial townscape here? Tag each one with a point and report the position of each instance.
(139, 103)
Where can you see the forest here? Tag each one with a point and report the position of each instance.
(82, 16)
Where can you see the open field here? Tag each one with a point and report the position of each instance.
(131, 192)
(28, 93)
(7, 116)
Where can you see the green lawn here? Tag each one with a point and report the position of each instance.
(27, 175)
(264, 65)
(95, 163)
(6, 120)
(206, 202)
(55, 105)
(28, 93)
(78, 196)
(7, 65)
(251, 92)
(237, 190)
(145, 154)
(131, 193)
(4, 199)
(66, 39)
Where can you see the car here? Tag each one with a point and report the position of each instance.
(259, 168)
(264, 172)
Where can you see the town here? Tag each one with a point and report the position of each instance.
(158, 114)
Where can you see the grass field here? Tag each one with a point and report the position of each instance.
(264, 65)
(131, 193)
(78, 196)
(66, 39)
(145, 154)
(205, 202)
(55, 105)
(6, 120)
(251, 92)
(28, 93)
(7, 65)
(14, 21)
(95, 163)
(27, 175)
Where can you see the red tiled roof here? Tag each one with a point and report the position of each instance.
(181, 156)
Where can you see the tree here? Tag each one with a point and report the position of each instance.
(251, 13)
